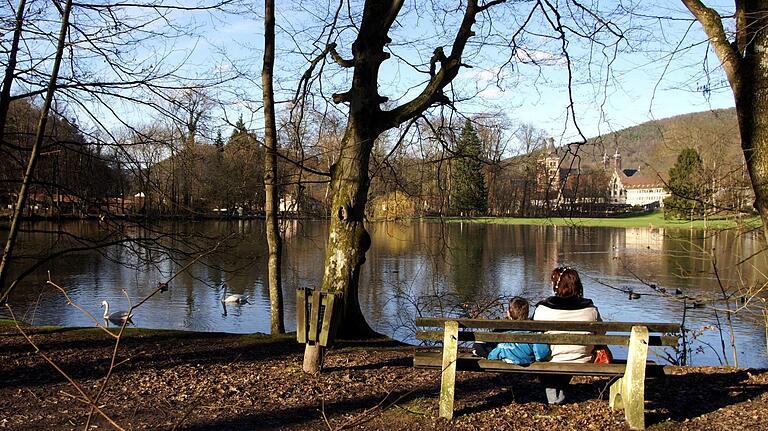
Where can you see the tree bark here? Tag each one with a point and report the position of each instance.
(34, 154)
(10, 69)
(745, 62)
(752, 104)
(274, 241)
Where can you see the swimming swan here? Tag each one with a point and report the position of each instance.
(118, 317)
(234, 298)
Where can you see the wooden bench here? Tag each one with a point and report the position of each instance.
(626, 392)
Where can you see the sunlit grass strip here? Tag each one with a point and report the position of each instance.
(653, 220)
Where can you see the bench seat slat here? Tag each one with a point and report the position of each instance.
(433, 360)
(588, 339)
(548, 325)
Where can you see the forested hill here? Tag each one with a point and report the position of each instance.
(654, 145)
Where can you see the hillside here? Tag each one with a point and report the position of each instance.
(655, 144)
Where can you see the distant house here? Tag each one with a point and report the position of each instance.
(302, 205)
(552, 178)
(561, 183)
(126, 204)
(394, 205)
(54, 204)
(629, 187)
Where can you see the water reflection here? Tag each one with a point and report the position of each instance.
(410, 269)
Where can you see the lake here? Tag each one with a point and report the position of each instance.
(412, 268)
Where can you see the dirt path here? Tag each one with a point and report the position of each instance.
(202, 381)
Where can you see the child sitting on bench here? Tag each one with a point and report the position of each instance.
(514, 353)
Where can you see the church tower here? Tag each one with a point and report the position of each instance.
(617, 159)
(548, 177)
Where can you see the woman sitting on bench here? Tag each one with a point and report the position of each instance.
(568, 304)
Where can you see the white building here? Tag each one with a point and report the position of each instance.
(627, 186)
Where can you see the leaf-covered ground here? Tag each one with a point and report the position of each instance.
(201, 381)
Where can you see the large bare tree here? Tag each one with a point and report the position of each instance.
(274, 241)
(348, 240)
(744, 56)
(35, 152)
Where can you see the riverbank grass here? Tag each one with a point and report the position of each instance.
(652, 220)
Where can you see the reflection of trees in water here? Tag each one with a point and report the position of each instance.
(693, 254)
(464, 259)
(726, 275)
(426, 266)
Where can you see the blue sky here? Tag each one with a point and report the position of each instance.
(643, 82)
(611, 92)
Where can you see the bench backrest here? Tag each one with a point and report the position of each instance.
(607, 333)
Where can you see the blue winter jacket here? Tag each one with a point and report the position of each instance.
(520, 353)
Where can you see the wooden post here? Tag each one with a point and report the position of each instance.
(448, 381)
(313, 358)
(633, 391)
(325, 330)
(314, 316)
(614, 399)
(310, 329)
(301, 315)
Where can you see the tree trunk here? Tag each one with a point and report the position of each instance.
(348, 240)
(274, 242)
(34, 154)
(10, 69)
(752, 107)
(745, 64)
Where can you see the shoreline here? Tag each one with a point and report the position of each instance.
(652, 220)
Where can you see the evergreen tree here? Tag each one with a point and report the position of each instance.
(468, 190)
(219, 142)
(240, 128)
(244, 160)
(687, 185)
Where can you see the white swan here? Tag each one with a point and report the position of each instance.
(234, 298)
(118, 317)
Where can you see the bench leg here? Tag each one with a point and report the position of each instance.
(448, 381)
(614, 399)
(633, 390)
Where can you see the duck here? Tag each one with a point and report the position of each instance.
(117, 317)
(633, 295)
(234, 298)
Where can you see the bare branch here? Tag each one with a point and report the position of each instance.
(712, 23)
(449, 68)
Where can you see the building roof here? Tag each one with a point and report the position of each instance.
(641, 181)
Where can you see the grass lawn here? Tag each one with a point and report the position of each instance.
(654, 219)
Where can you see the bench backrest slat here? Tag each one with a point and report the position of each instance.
(502, 337)
(548, 325)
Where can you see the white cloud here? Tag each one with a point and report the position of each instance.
(538, 57)
(488, 83)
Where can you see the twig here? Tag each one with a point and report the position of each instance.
(62, 372)
(360, 419)
(325, 418)
(72, 303)
(160, 288)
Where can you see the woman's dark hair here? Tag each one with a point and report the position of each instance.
(566, 282)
